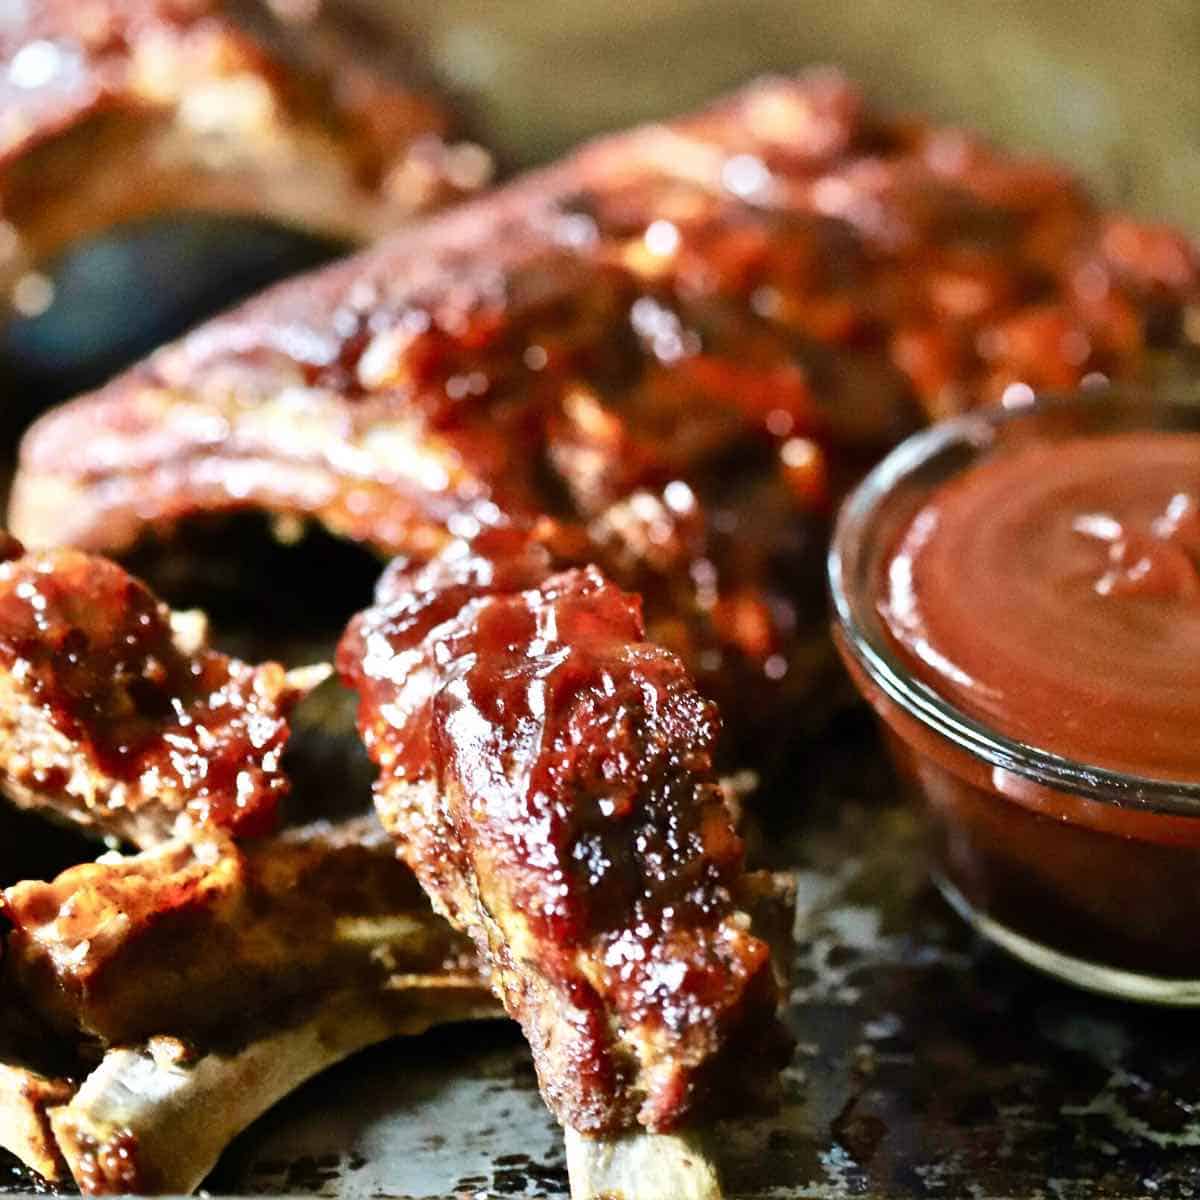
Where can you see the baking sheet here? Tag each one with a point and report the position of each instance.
(926, 1065)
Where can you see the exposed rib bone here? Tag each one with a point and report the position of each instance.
(25, 1096)
(640, 1166)
(273, 959)
(647, 1166)
(154, 1119)
(37, 1073)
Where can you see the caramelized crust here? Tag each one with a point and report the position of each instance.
(548, 774)
(195, 934)
(115, 715)
(681, 343)
(112, 110)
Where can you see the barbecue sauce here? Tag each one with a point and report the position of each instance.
(1054, 593)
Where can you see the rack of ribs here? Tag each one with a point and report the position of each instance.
(548, 775)
(681, 343)
(116, 715)
(116, 110)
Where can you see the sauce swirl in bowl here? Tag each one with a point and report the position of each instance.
(1053, 592)
(1017, 595)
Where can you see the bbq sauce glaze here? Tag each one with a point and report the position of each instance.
(95, 651)
(1053, 592)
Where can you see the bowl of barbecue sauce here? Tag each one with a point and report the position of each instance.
(1017, 594)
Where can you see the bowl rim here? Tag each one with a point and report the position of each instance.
(870, 648)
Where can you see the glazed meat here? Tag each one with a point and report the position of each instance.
(195, 934)
(115, 714)
(548, 775)
(681, 343)
(113, 110)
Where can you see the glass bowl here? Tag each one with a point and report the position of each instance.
(1089, 874)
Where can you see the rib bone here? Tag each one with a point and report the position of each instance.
(219, 976)
(640, 1166)
(25, 1097)
(154, 1119)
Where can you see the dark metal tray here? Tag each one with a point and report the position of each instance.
(926, 1066)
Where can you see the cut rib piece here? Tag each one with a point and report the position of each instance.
(681, 342)
(115, 714)
(547, 773)
(154, 1118)
(197, 934)
(122, 109)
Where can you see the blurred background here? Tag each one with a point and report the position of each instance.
(1108, 86)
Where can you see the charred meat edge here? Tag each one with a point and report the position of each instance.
(200, 932)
